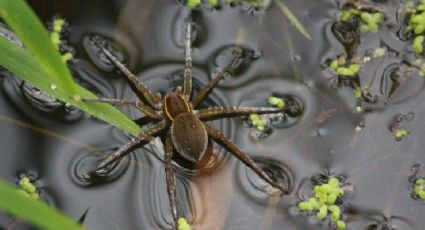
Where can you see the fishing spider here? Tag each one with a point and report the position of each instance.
(173, 117)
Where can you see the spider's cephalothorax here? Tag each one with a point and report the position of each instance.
(174, 118)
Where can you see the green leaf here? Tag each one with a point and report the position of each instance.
(42, 66)
(32, 33)
(293, 18)
(33, 211)
(23, 64)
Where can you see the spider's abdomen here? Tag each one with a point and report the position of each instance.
(189, 136)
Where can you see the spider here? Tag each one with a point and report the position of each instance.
(173, 117)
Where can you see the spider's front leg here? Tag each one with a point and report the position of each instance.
(232, 111)
(187, 85)
(146, 135)
(139, 88)
(206, 90)
(233, 149)
(169, 174)
(122, 102)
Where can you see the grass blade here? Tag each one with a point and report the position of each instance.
(33, 211)
(292, 18)
(41, 65)
(19, 16)
(23, 64)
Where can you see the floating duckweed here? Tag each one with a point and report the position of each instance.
(334, 64)
(351, 70)
(341, 225)
(58, 24)
(55, 37)
(420, 65)
(258, 122)
(418, 46)
(67, 56)
(183, 225)
(370, 20)
(28, 188)
(359, 109)
(324, 202)
(357, 92)
(275, 101)
(345, 15)
(400, 133)
(379, 52)
(419, 188)
(213, 2)
(337, 63)
(417, 26)
(193, 3)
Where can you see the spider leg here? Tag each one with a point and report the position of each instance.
(232, 148)
(232, 111)
(187, 86)
(206, 90)
(146, 135)
(169, 174)
(123, 102)
(141, 90)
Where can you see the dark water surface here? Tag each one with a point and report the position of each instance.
(62, 143)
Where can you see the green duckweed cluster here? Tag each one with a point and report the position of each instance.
(370, 21)
(357, 92)
(28, 188)
(55, 35)
(420, 65)
(417, 27)
(419, 188)
(323, 203)
(275, 101)
(341, 68)
(183, 225)
(400, 133)
(258, 121)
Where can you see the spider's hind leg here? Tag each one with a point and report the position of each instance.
(232, 111)
(169, 174)
(233, 149)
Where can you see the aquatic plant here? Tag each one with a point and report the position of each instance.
(28, 188)
(258, 121)
(419, 188)
(183, 225)
(416, 25)
(41, 65)
(324, 202)
(55, 36)
(18, 203)
(369, 20)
